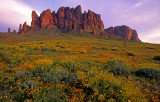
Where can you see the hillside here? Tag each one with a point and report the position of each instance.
(53, 66)
(68, 56)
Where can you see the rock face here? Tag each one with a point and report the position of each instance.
(46, 18)
(35, 20)
(124, 32)
(65, 18)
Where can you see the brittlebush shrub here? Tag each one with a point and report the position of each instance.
(22, 73)
(70, 65)
(130, 53)
(118, 67)
(148, 73)
(55, 76)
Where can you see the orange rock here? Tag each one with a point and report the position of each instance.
(95, 32)
(9, 30)
(14, 32)
(46, 18)
(25, 27)
(20, 28)
(35, 20)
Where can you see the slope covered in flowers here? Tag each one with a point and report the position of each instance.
(76, 68)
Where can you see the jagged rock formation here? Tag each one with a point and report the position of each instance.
(25, 27)
(124, 32)
(65, 18)
(20, 29)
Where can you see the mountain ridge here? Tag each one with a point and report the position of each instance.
(73, 19)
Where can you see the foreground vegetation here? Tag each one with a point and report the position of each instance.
(72, 68)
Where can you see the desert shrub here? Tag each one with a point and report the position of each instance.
(29, 84)
(36, 48)
(22, 73)
(148, 73)
(82, 51)
(156, 58)
(43, 48)
(69, 64)
(130, 53)
(55, 76)
(114, 49)
(118, 67)
(12, 65)
(20, 95)
(37, 72)
(104, 48)
(4, 57)
(74, 80)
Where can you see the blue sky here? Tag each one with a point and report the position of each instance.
(142, 15)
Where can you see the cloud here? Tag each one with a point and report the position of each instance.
(152, 35)
(13, 13)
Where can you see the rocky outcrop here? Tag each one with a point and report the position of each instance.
(35, 20)
(124, 32)
(9, 30)
(65, 18)
(14, 32)
(25, 27)
(46, 18)
(20, 29)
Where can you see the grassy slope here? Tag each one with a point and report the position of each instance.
(76, 55)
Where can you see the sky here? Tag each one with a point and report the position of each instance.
(141, 15)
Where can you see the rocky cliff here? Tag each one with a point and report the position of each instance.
(65, 18)
(124, 32)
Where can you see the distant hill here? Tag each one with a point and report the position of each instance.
(124, 32)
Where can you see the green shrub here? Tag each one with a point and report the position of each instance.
(114, 49)
(118, 67)
(4, 57)
(148, 73)
(74, 80)
(29, 84)
(55, 76)
(130, 53)
(37, 72)
(70, 65)
(43, 48)
(156, 58)
(12, 65)
(22, 73)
